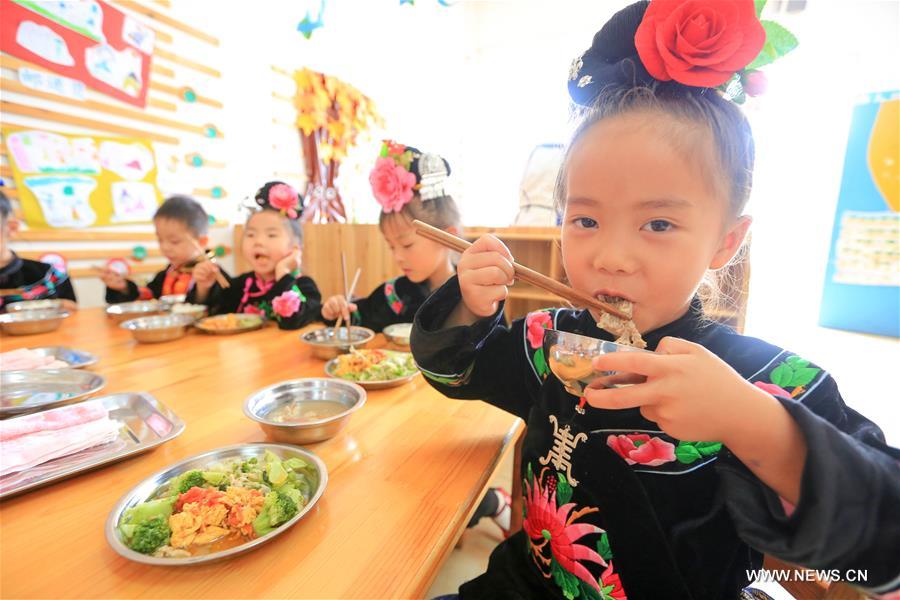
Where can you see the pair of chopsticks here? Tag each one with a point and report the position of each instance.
(204, 256)
(577, 298)
(348, 294)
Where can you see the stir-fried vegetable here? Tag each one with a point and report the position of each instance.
(374, 365)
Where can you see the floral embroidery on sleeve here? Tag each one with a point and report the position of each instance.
(793, 372)
(391, 297)
(643, 449)
(535, 325)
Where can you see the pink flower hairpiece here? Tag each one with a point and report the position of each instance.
(285, 199)
(393, 184)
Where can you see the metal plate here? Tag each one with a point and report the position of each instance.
(398, 333)
(257, 324)
(331, 365)
(146, 423)
(77, 359)
(24, 392)
(149, 487)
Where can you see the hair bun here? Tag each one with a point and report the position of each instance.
(612, 58)
(279, 196)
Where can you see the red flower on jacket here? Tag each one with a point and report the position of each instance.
(698, 42)
(640, 448)
(545, 523)
(535, 324)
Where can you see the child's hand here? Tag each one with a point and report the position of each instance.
(690, 392)
(114, 280)
(336, 306)
(485, 270)
(205, 275)
(288, 264)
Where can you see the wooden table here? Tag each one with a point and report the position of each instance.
(403, 478)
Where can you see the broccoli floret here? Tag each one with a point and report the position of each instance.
(150, 535)
(145, 511)
(189, 480)
(278, 508)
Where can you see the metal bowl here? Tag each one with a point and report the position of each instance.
(29, 322)
(39, 389)
(170, 299)
(326, 343)
(46, 304)
(349, 396)
(398, 334)
(147, 489)
(158, 328)
(132, 310)
(569, 357)
(194, 311)
(77, 359)
(250, 323)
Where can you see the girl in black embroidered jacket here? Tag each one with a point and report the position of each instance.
(731, 447)
(271, 245)
(23, 279)
(408, 185)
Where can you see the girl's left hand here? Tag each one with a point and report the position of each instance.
(690, 392)
(288, 264)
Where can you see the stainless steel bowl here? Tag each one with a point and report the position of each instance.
(77, 359)
(158, 328)
(170, 299)
(260, 406)
(147, 489)
(30, 322)
(326, 342)
(132, 310)
(45, 304)
(39, 389)
(570, 355)
(398, 334)
(194, 311)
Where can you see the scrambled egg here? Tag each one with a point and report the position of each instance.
(202, 522)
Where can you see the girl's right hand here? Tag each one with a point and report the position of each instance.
(205, 275)
(114, 280)
(485, 271)
(337, 306)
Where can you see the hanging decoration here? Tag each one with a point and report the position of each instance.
(139, 253)
(312, 20)
(120, 266)
(330, 116)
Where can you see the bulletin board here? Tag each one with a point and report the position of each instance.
(862, 279)
(82, 180)
(88, 41)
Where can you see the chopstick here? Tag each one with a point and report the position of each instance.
(348, 296)
(522, 272)
(220, 279)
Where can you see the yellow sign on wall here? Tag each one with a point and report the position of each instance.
(75, 180)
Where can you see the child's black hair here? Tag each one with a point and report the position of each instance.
(186, 211)
(5, 207)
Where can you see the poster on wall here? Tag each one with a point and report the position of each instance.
(75, 181)
(85, 40)
(862, 280)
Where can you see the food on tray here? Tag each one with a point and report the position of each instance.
(24, 359)
(229, 321)
(626, 331)
(227, 504)
(308, 410)
(37, 438)
(374, 365)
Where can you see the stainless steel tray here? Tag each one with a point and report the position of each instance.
(371, 385)
(146, 423)
(39, 389)
(147, 489)
(77, 359)
(252, 324)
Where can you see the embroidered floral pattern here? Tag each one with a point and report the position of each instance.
(390, 295)
(287, 304)
(45, 288)
(640, 448)
(794, 372)
(555, 539)
(535, 325)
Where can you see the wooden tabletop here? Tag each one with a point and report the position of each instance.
(403, 478)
